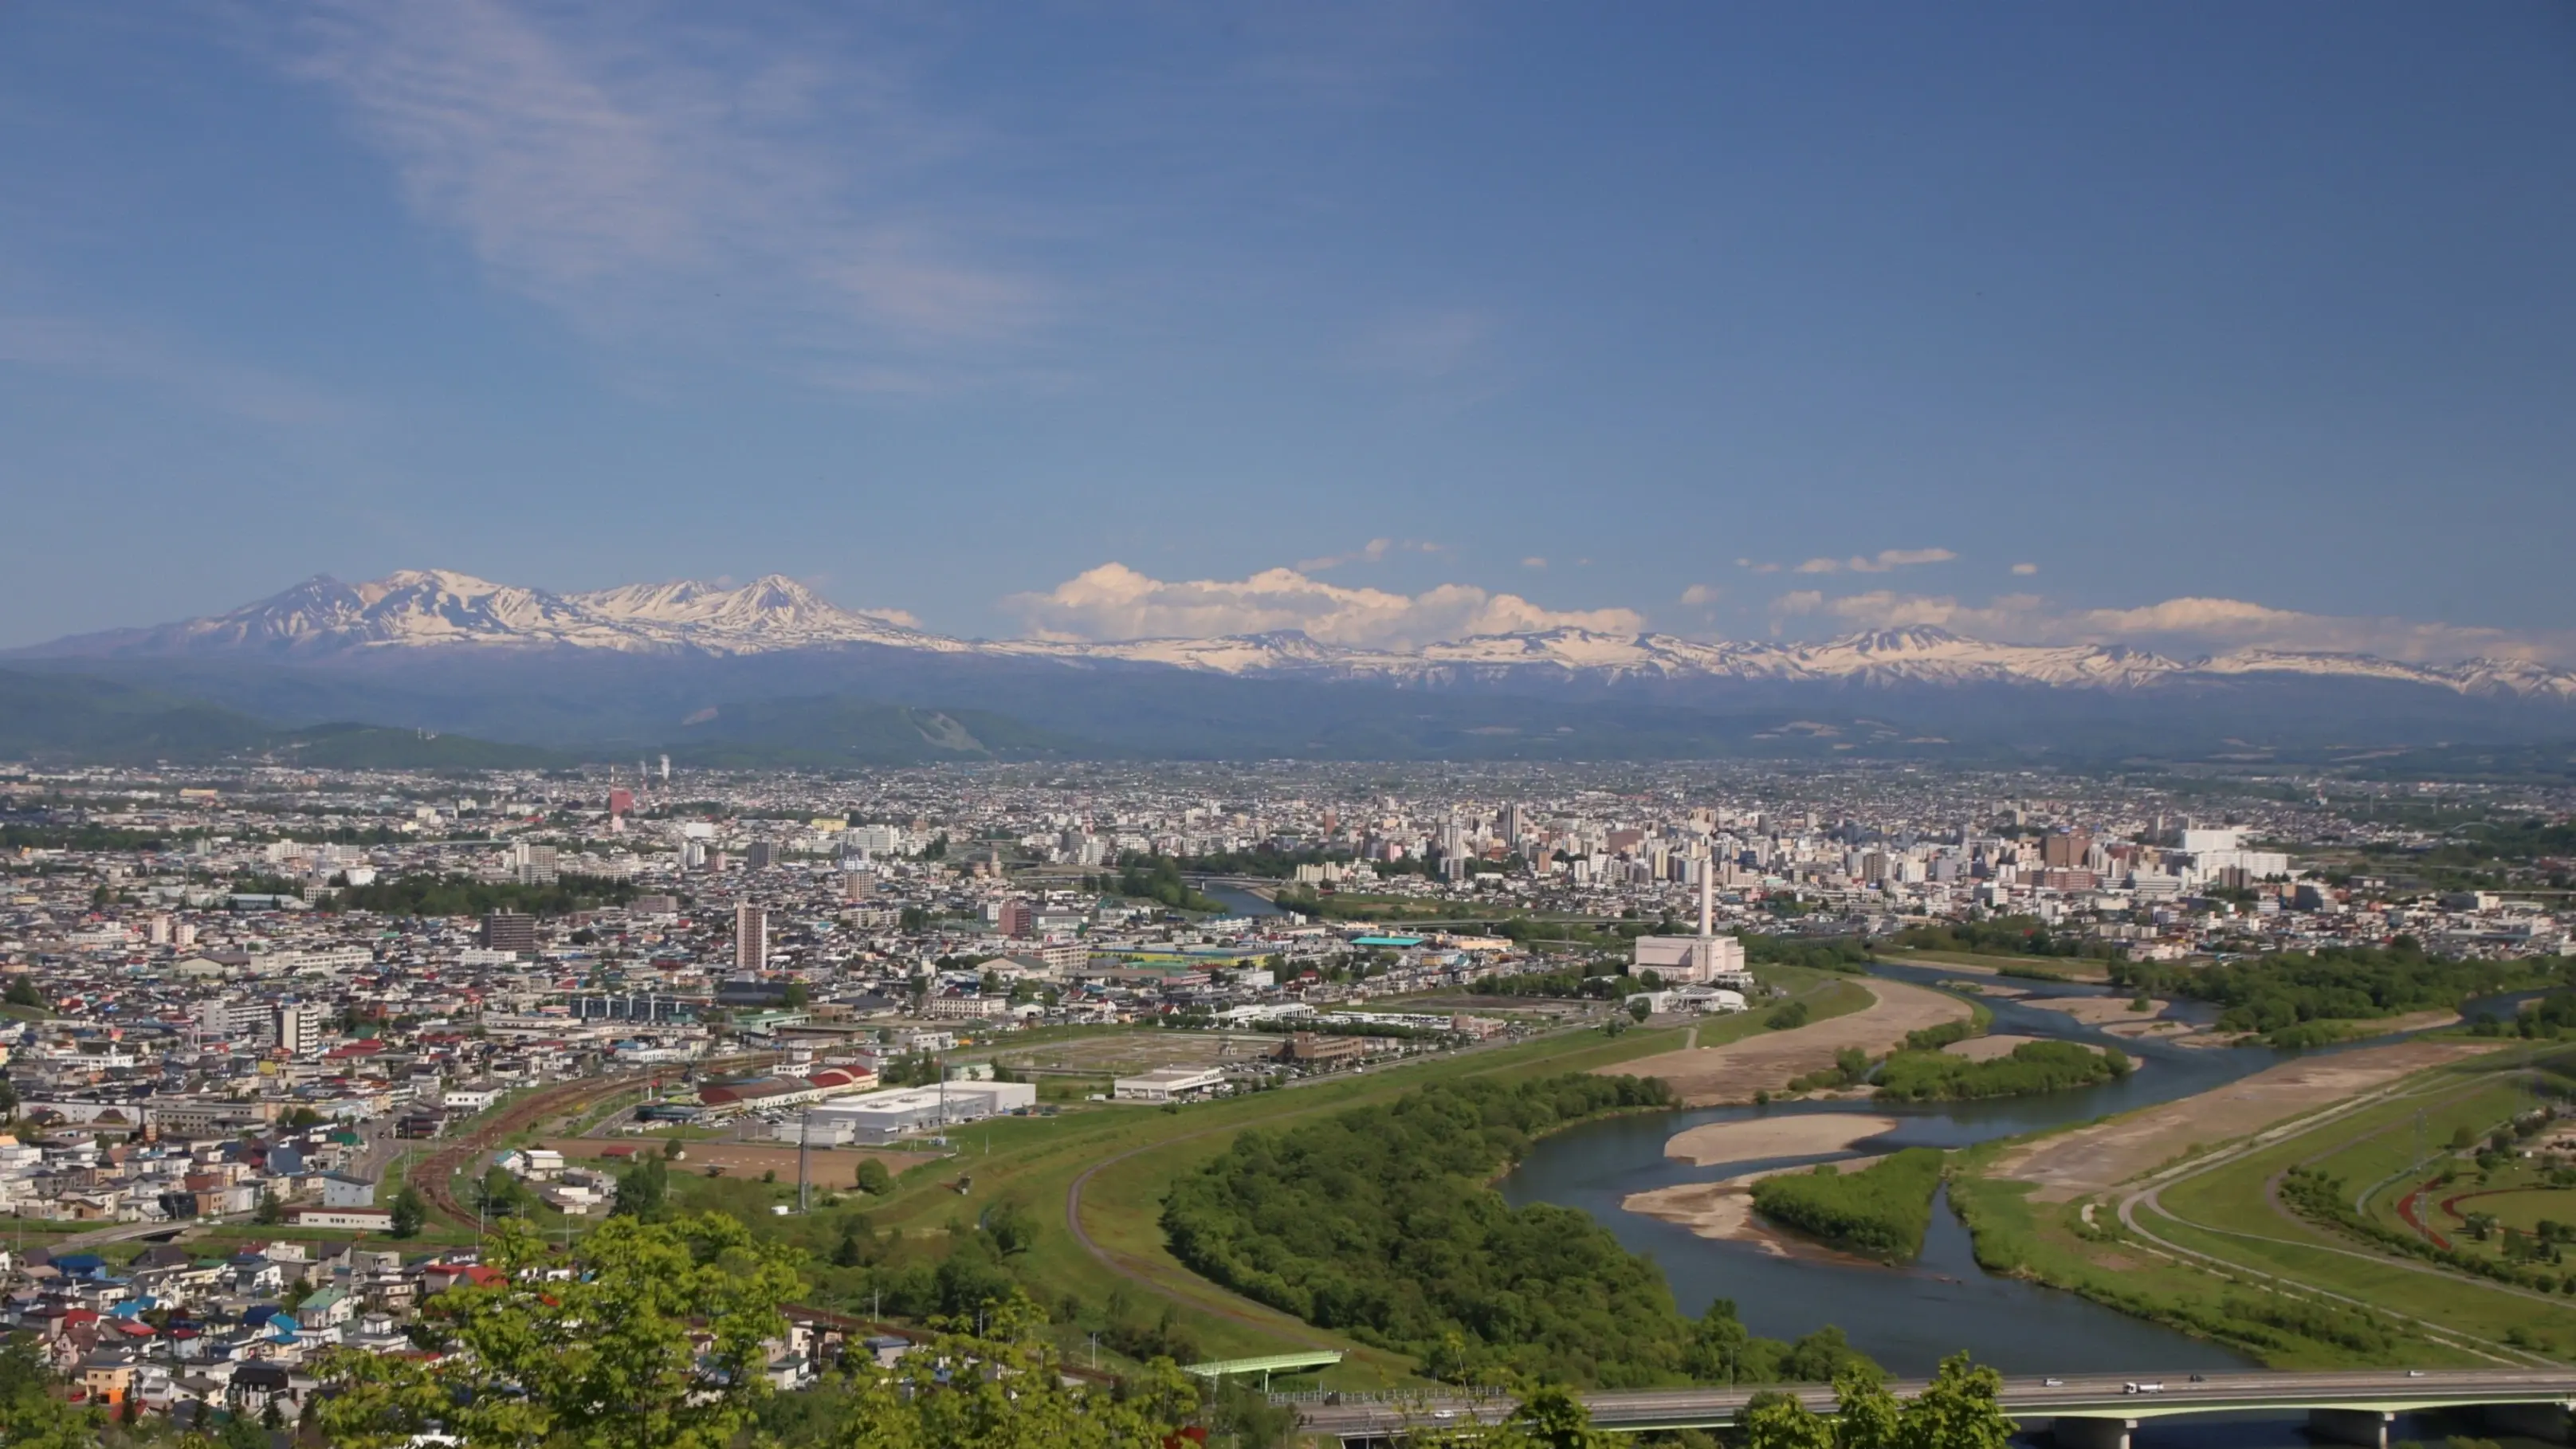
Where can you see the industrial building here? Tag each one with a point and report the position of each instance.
(1168, 1084)
(877, 1118)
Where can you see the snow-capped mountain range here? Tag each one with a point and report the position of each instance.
(440, 610)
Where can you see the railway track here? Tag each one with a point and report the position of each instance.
(435, 1175)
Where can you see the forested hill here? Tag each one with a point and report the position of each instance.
(1378, 1222)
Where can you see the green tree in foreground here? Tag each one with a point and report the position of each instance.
(1959, 1409)
(658, 1341)
(32, 1414)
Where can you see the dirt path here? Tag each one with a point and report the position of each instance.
(1269, 1321)
(1733, 1072)
(2091, 1159)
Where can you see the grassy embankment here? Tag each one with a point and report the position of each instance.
(1881, 1211)
(1131, 1154)
(2255, 1273)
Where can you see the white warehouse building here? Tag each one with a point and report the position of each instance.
(873, 1119)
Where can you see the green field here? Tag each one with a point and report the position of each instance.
(2220, 1250)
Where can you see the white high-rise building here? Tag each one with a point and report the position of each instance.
(299, 1028)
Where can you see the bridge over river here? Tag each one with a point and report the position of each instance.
(2087, 1411)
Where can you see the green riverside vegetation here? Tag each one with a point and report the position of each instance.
(1376, 1222)
(2033, 1066)
(2284, 996)
(1879, 1212)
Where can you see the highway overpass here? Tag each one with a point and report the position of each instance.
(2088, 1411)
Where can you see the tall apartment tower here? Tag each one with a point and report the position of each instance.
(510, 931)
(534, 864)
(750, 937)
(299, 1028)
(759, 855)
(1019, 919)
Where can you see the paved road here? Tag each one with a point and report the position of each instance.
(2075, 1395)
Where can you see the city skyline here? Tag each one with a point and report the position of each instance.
(2203, 330)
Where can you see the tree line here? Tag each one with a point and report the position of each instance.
(2281, 992)
(1378, 1222)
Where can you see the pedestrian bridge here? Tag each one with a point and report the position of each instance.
(2088, 1411)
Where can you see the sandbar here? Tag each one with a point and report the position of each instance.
(2091, 1159)
(1801, 1134)
(1768, 1060)
(1987, 1048)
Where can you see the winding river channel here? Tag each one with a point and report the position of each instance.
(1907, 1318)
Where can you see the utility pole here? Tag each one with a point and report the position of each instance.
(804, 1160)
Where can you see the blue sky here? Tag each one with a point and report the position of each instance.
(2197, 326)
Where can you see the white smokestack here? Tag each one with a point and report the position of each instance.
(1707, 888)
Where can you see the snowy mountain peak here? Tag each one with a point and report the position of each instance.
(444, 609)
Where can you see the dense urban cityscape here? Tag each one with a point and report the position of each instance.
(254, 996)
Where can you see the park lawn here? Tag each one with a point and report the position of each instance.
(2525, 1207)
(2465, 1305)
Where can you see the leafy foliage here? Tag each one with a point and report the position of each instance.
(459, 895)
(1961, 1408)
(1158, 878)
(2280, 992)
(1881, 1211)
(1916, 1075)
(1376, 1222)
(656, 1342)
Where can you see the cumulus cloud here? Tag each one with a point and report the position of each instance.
(2192, 625)
(1701, 594)
(1886, 560)
(1114, 601)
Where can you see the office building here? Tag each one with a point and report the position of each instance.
(750, 937)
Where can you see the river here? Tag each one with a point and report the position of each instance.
(1907, 1318)
(1240, 901)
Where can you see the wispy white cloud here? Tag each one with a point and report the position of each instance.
(1702, 594)
(1884, 561)
(1534, 562)
(1114, 601)
(729, 186)
(2193, 625)
(1373, 551)
(2025, 570)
